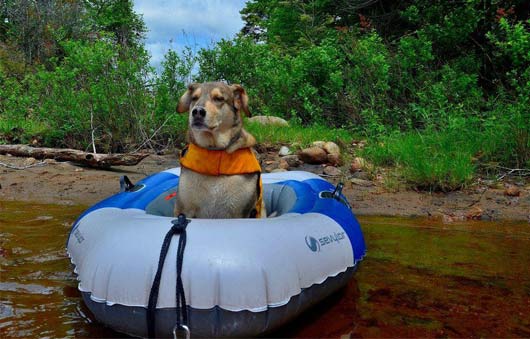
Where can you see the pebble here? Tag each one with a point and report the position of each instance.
(293, 160)
(361, 182)
(357, 164)
(284, 150)
(30, 161)
(283, 164)
(332, 171)
(475, 213)
(512, 191)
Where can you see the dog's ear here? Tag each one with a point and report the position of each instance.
(185, 100)
(240, 98)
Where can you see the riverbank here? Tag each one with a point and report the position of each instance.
(67, 184)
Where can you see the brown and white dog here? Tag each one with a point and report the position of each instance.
(220, 176)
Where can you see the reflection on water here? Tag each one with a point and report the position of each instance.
(421, 278)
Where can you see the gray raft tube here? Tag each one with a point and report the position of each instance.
(218, 322)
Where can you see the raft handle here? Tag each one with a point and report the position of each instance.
(336, 194)
(126, 185)
(338, 191)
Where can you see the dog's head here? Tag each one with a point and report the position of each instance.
(215, 120)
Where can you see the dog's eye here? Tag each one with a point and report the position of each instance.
(194, 98)
(219, 99)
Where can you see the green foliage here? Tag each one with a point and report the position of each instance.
(296, 134)
(432, 161)
(432, 84)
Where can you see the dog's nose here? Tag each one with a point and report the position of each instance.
(198, 112)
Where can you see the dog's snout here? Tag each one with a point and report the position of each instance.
(198, 112)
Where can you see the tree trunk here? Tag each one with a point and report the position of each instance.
(80, 157)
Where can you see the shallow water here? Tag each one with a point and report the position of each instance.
(421, 278)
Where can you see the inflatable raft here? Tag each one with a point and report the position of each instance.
(241, 277)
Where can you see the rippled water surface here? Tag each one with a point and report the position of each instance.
(421, 278)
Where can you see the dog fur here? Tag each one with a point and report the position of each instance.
(216, 123)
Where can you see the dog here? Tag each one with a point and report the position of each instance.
(220, 174)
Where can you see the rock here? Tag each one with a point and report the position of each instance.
(30, 161)
(361, 182)
(357, 164)
(331, 148)
(293, 160)
(319, 144)
(475, 213)
(313, 155)
(332, 171)
(512, 191)
(284, 150)
(278, 170)
(50, 161)
(269, 120)
(361, 175)
(447, 219)
(359, 144)
(334, 159)
(283, 164)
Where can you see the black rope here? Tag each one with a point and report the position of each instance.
(179, 227)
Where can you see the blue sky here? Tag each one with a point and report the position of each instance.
(173, 24)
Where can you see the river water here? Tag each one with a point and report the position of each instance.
(421, 278)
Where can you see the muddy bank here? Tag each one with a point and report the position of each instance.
(68, 184)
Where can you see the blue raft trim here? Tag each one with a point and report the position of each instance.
(308, 201)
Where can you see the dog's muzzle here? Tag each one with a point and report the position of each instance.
(197, 114)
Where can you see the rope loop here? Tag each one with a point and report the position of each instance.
(178, 228)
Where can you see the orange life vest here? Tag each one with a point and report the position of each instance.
(220, 162)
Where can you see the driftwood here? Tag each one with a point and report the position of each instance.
(80, 157)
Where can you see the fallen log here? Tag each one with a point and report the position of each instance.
(73, 155)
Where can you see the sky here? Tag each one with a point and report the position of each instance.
(173, 24)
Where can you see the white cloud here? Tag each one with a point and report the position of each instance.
(175, 24)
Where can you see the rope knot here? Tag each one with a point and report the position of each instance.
(179, 224)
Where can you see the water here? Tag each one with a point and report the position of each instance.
(421, 279)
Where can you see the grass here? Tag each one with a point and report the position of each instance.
(22, 130)
(297, 135)
(438, 161)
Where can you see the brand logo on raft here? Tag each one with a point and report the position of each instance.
(315, 245)
(79, 236)
(312, 243)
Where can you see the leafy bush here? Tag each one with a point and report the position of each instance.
(432, 84)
